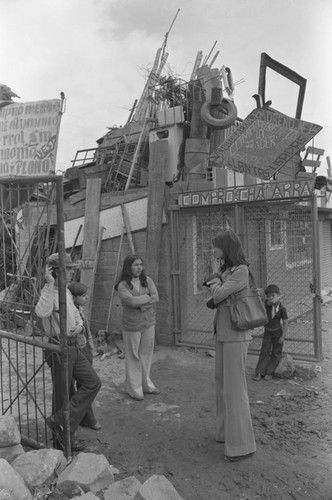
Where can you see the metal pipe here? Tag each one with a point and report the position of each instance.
(316, 281)
(63, 316)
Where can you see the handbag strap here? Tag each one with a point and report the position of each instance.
(252, 282)
(252, 285)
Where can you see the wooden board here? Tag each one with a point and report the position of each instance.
(264, 142)
(157, 164)
(91, 228)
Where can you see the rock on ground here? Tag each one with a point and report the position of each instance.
(126, 489)
(89, 471)
(9, 453)
(9, 432)
(39, 467)
(11, 482)
(157, 488)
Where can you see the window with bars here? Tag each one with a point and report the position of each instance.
(298, 242)
(205, 228)
(276, 234)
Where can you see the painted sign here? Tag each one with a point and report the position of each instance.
(28, 138)
(85, 263)
(257, 192)
(264, 142)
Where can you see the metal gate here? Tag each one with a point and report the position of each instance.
(31, 228)
(281, 244)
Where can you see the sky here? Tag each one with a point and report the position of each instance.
(99, 52)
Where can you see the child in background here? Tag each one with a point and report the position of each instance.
(274, 334)
(80, 295)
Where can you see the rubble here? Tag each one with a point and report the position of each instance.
(126, 489)
(40, 466)
(158, 488)
(9, 432)
(84, 476)
(286, 367)
(12, 484)
(89, 471)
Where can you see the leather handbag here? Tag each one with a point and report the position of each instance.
(247, 308)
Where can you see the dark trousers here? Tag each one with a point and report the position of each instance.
(270, 353)
(80, 369)
(89, 418)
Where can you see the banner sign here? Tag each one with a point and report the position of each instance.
(263, 143)
(28, 138)
(257, 192)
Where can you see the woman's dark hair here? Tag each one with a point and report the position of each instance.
(230, 244)
(126, 274)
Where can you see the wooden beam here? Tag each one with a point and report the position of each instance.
(127, 226)
(92, 285)
(91, 228)
(311, 163)
(157, 168)
(314, 151)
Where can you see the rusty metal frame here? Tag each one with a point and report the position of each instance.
(268, 62)
(61, 349)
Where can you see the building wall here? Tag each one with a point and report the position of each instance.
(108, 273)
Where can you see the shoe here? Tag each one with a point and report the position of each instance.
(59, 438)
(268, 377)
(257, 377)
(155, 391)
(240, 457)
(57, 431)
(95, 426)
(77, 445)
(137, 398)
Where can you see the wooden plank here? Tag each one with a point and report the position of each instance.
(108, 322)
(92, 286)
(157, 169)
(75, 198)
(311, 163)
(314, 151)
(127, 227)
(197, 63)
(91, 228)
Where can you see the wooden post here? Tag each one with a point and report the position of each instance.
(157, 168)
(92, 285)
(91, 229)
(108, 322)
(127, 226)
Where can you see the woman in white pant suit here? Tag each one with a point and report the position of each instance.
(234, 424)
(138, 295)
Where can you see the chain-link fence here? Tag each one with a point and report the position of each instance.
(279, 244)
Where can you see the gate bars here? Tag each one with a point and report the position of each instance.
(31, 228)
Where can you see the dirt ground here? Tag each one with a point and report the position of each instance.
(173, 433)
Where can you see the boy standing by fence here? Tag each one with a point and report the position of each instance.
(274, 334)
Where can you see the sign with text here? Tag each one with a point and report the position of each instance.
(257, 192)
(264, 142)
(28, 138)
